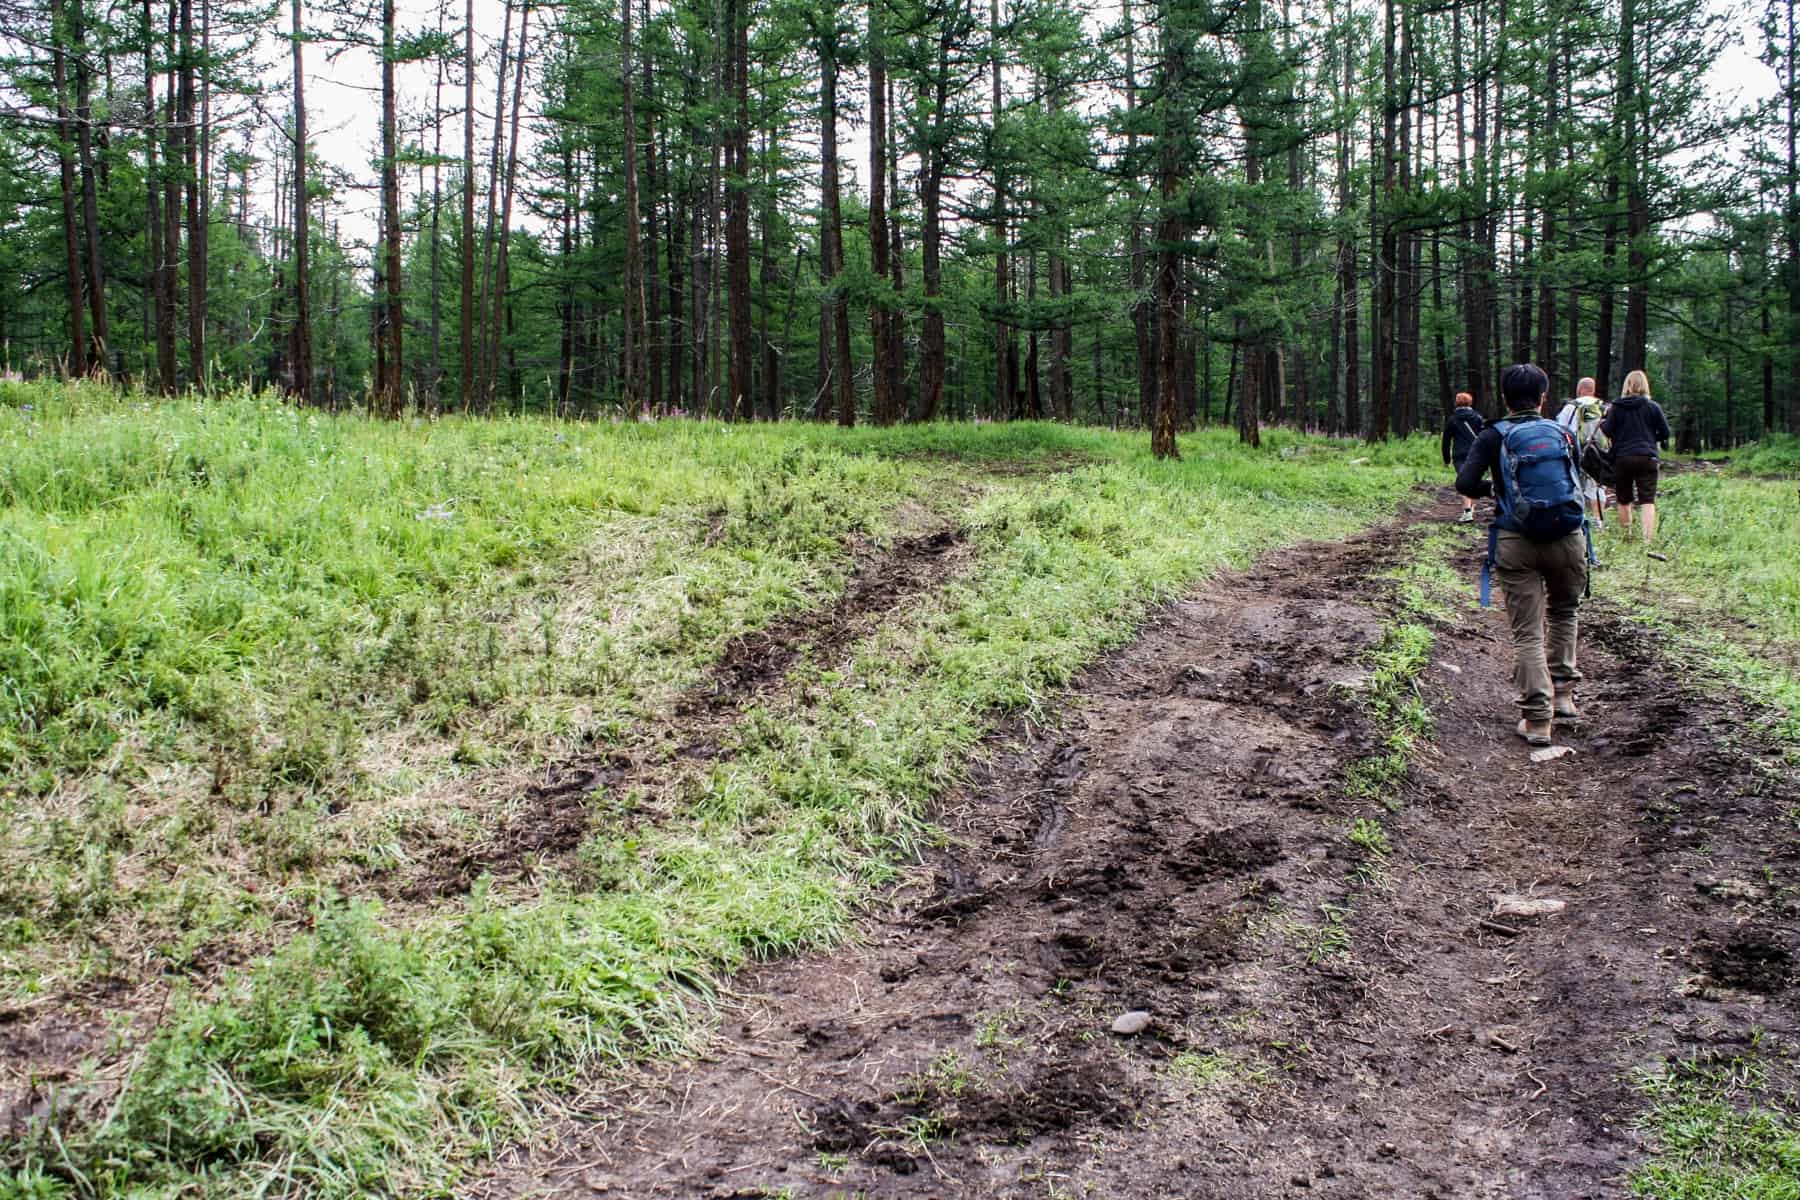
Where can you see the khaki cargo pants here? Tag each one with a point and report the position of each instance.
(1543, 583)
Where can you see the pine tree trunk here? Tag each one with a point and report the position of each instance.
(933, 360)
(162, 331)
(466, 331)
(1168, 237)
(839, 303)
(196, 226)
(633, 393)
(485, 374)
(740, 398)
(65, 142)
(99, 354)
(437, 201)
(653, 320)
(502, 321)
(1005, 372)
(392, 393)
(881, 408)
(299, 364)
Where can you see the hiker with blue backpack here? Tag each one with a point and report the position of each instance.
(1538, 544)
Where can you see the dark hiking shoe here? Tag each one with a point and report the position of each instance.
(1535, 733)
(1564, 708)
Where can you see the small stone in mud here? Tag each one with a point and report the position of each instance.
(1550, 753)
(1133, 1022)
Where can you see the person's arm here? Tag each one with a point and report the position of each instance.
(1470, 480)
(1662, 425)
(1449, 429)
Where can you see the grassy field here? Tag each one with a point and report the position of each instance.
(1729, 589)
(251, 654)
(256, 660)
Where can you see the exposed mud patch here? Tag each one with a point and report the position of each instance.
(1318, 1018)
(553, 817)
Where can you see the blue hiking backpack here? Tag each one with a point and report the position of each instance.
(1538, 490)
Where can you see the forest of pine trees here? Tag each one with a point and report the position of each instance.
(1160, 214)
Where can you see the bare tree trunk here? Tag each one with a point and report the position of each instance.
(933, 361)
(161, 287)
(299, 364)
(196, 226)
(392, 393)
(488, 367)
(771, 363)
(502, 324)
(881, 407)
(740, 400)
(653, 322)
(437, 204)
(467, 330)
(1168, 237)
(896, 325)
(1006, 383)
(632, 361)
(839, 320)
(1637, 211)
(99, 354)
(65, 140)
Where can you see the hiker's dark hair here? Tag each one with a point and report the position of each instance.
(1524, 386)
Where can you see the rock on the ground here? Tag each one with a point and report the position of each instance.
(1527, 906)
(1133, 1022)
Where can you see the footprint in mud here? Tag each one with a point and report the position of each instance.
(1057, 1089)
(1237, 849)
(1200, 950)
(1747, 962)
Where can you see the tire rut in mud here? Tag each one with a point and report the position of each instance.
(1319, 1022)
(553, 817)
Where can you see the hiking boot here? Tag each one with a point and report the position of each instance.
(1467, 518)
(1564, 707)
(1535, 733)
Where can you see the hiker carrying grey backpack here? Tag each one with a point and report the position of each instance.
(1538, 545)
(1581, 417)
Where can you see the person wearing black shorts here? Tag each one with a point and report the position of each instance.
(1637, 427)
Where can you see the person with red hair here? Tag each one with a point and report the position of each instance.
(1460, 432)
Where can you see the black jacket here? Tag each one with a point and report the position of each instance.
(1459, 434)
(1636, 425)
(1485, 457)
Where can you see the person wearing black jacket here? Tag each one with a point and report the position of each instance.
(1460, 431)
(1637, 427)
(1539, 579)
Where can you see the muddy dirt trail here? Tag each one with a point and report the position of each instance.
(1321, 1021)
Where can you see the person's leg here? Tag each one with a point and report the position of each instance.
(1647, 499)
(1523, 585)
(1565, 581)
(1623, 495)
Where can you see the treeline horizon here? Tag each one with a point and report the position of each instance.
(1191, 212)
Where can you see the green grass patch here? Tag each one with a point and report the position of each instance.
(368, 1056)
(1720, 1133)
(1398, 711)
(1777, 454)
(1729, 593)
